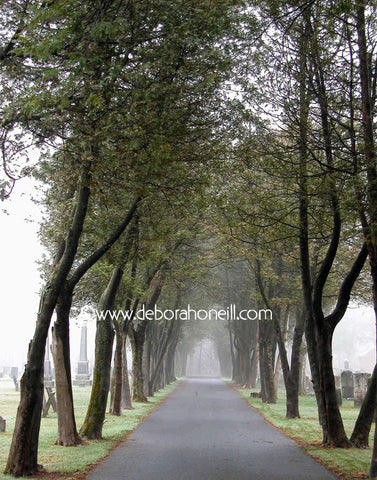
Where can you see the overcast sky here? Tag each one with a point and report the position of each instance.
(20, 278)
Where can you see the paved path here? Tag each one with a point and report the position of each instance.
(206, 431)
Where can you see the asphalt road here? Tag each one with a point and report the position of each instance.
(206, 431)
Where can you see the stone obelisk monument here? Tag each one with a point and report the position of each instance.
(83, 376)
(48, 378)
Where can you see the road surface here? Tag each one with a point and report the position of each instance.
(206, 431)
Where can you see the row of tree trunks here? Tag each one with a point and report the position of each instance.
(279, 324)
(67, 432)
(163, 361)
(244, 341)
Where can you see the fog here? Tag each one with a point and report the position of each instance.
(354, 338)
(203, 360)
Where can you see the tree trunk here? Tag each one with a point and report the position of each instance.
(126, 390)
(147, 360)
(170, 356)
(116, 398)
(293, 379)
(335, 428)
(370, 233)
(67, 430)
(95, 415)
(237, 366)
(161, 354)
(137, 344)
(360, 434)
(310, 333)
(266, 362)
(23, 454)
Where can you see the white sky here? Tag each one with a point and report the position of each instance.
(20, 279)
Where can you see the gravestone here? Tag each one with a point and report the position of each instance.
(2, 424)
(347, 384)
(82, 378)
(361, 386)
(14, 376)
(338, 386)
(48, 378)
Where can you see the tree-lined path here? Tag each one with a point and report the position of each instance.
(205, 430)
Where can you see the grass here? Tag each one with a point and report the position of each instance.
(347, 464)
(72, 461)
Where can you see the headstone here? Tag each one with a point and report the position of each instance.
(48, 378)
(361, 386)
(339, 397)
(347, 384)
(2, 424)
(14, 376)
(82, 378)
(346, 364)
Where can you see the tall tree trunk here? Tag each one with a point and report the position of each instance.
(171, 354)
(126, 390)
(67, 430)
(23, 455)
(237, 365)
(137, 343)
(95, 415)
(147, 359)
(310, 331)
(293, 380)
(116, 398)
(266, 362)
(232, 356)
(336, 434)
(370, 232)
(170, 365)
(360, 434)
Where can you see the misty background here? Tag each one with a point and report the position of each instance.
(354, 339)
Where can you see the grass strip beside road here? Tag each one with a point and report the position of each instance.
(72, 462)
(347, 464)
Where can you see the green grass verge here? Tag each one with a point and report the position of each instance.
(72, 460)
(347, 464)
